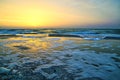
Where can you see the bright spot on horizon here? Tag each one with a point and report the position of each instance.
(52, 13)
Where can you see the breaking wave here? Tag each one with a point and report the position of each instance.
(87, 34)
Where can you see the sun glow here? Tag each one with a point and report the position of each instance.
(35, 16)
(52, 13)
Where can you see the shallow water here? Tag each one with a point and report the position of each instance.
(50, 44)
(50, 56)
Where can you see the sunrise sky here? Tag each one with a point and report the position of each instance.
(58, 13)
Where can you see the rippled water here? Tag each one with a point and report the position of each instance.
(81, 52)
(88, 34)
(71, 30)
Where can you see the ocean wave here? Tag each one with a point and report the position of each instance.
(64, 35)
(83, 36)
(68, 31)
(87, 34)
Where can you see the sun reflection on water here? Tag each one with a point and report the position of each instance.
(50, 45)
(28, 45)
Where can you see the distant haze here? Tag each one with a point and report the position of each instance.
(59, 13)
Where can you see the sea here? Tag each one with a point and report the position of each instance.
(88, 34)
(60, 54)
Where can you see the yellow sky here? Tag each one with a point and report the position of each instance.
(52, 13)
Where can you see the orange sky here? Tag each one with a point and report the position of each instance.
(52, 13)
